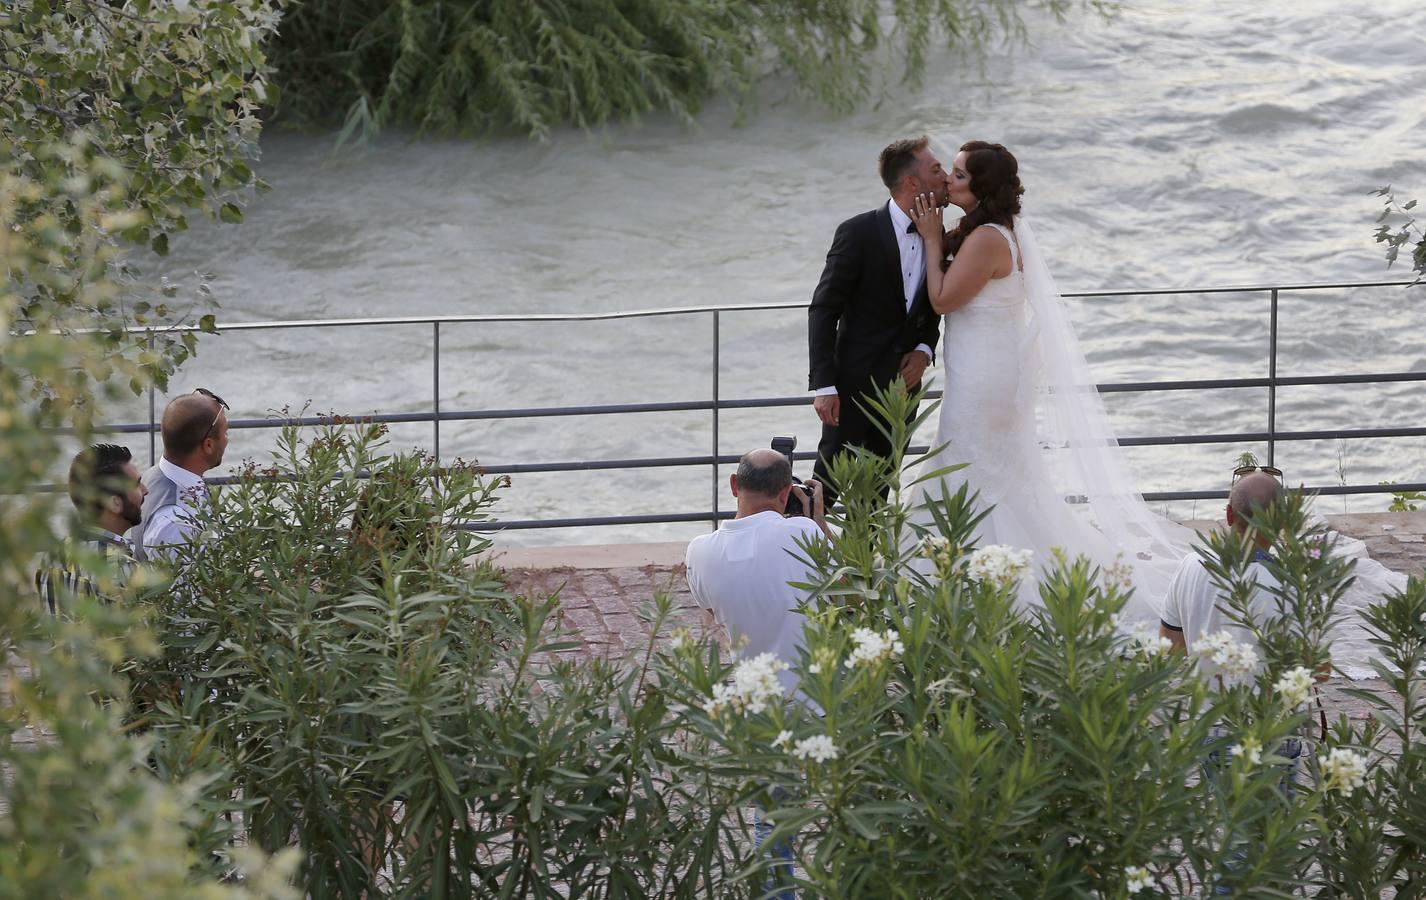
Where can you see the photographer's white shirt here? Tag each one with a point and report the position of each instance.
(741, 572)
(1192, 605)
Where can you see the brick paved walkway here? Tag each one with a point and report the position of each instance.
(606, 590)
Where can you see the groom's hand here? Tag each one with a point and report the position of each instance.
(913, 366)
(829, 408)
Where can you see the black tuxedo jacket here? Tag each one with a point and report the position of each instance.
(858, 324)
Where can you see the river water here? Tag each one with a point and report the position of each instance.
(1174, 145)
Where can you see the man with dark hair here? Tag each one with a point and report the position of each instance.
(195, 435)
(108, 495)
(870, 321)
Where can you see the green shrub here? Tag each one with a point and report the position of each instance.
(377, 701)
(417, 731)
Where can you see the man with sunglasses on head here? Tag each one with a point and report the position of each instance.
(1191, 607)
(195, 434)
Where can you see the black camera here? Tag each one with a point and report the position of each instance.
(795, 506)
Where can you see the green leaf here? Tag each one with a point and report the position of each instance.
(230, 213)
(208, 324)
(160, 244)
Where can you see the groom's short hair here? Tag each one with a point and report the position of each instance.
(899, 158)
(764, 472)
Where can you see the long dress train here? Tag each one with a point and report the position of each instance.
(1020, 408)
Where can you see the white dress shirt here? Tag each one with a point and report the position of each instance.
(1192, 605)
(175, 524)
(741, 572)
(913, 269)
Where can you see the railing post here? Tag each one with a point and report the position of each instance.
(153, 443)
(715, 420)
(1272, 378)
(436, 389)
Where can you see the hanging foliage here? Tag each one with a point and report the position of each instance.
(531, 65)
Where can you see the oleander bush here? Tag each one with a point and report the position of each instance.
(955, 745)
(348, 682)
(376, 699)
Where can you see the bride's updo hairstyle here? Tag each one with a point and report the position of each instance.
(995, 182)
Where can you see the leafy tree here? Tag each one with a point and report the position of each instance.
(168, 92)
(531, 65)
(80, 813)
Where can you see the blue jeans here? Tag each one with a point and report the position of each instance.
(1216, 766)
(780, 854)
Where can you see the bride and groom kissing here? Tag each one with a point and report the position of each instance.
(1018, 404)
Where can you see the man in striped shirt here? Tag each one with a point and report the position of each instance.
(108, 495)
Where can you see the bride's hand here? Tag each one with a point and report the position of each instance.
(926, 213)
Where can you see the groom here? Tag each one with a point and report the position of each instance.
(870, 320)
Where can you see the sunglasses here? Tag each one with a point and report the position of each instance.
(222, 405)
(1274, 471)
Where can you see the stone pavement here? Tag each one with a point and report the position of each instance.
(606, 590)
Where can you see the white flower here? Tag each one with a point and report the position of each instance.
(755, 683)
(999, 565)
(938, 551)
(1251, 748)
(1232, 657)
(814, 669)
(1119, 576)
(872, 648)
(1139, 879)
(783, 738)
(1294, 686)
(1145, 640)
(818, 748)
(680, 639)
(1344, 770)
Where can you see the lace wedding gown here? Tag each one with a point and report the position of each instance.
(1020, 408)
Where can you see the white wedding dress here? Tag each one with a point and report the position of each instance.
(1019, 407)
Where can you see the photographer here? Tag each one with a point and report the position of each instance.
(740, 572)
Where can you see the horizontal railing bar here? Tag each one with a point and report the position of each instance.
(675, 518)
(657, 518)
(1252, 436)
(272, 324)
(745, 403)
(1152, 441)
(1325, 490)
(1384, 377)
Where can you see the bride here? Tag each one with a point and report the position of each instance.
(1020, 408)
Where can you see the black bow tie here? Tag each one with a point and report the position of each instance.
(911, 228)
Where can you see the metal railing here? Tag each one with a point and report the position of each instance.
(715, 403)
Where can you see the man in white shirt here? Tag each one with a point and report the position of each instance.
(1191, 605)
(195, 435)
(870, 320)
(740, 572)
